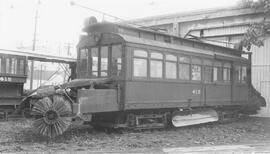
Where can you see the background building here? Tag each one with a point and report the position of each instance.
(224, 27)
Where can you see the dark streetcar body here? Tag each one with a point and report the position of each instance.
(13, 75)
(139, 78)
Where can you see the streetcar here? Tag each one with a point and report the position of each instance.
(128, 77)
(13, 74)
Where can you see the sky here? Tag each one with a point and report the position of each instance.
(58, 21)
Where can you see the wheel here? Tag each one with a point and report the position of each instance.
(52, 115)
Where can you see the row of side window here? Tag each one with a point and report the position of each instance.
(12, 65)
(181, 67)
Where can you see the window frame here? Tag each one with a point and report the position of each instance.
(140, 57)
(219, 67)
(100, 61)
(237, 77)
(195, 63)
(244, 81)
(227, 66)
(83, 73)
(119, 71)
(157, 60)
(208, 63)
(186, 64)
(171, 61)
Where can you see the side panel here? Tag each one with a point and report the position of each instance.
(218, 94)
(240, 94)
(97, 100)
(10, 90)
(157, 94)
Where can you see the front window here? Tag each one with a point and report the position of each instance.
(104, 61)
(100, 61)
(94, 61)
(83, 57)
(116, 60)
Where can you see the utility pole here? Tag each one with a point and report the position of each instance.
(34, 48)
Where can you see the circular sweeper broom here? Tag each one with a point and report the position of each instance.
(52, 115)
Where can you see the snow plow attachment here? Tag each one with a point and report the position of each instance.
(193, 117)
(52, 115)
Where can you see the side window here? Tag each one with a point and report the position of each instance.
(94, 61)
(13, 65)
(156, 65)
(171, 68)
(237, 73)
(217, 72)
(104, 61)
(21, 67)
(8, 65)
(116, 60)
(196, 69)
(184, 68)
(140, 63)
(227, 72)
(208, 71)
(244, 74)
(83, 60)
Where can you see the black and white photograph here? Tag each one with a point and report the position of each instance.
(134, 76)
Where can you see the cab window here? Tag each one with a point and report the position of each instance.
(83, 58)
(116, 63)
(104, 61)
(94, 61)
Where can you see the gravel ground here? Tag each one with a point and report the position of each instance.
(17, 136)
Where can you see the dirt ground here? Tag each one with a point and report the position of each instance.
(18, 136)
